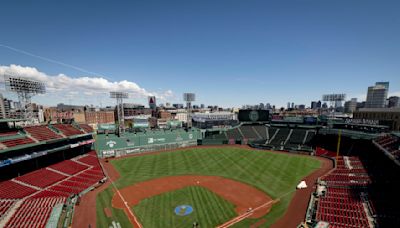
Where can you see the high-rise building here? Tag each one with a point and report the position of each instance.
(314, 105)
(288, 105)
(350, 106)
(394, 102)
(178, 106)
(2, 108)
(5, 108)
(377, 95)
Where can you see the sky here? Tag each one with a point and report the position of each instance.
(229, 53)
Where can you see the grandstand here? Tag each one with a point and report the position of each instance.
(390, 145)
(42, 133)
(234, 134)
(86, 128)
(261, 131)
(351, 195)
(249, 132)
(281, 137)
(67, 129)
(28, 200)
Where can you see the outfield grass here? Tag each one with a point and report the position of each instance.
(274, 173)
(209, 210)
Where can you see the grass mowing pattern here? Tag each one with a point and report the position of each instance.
(273, 173)
(209, 209)
(104, 201)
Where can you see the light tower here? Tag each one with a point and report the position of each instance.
(189, 98)
(334, 99)
(119, 96)
(25, 89)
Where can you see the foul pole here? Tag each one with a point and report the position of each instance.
(338, 144)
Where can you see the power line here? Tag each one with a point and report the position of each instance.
(52, 61)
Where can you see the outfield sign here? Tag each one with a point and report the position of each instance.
(362, 121)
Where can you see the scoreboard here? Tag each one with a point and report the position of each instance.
(246, 115)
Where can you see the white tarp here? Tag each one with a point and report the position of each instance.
(301, 185)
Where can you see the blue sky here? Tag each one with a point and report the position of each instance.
(228, 52)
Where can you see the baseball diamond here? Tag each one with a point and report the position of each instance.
(230, 177)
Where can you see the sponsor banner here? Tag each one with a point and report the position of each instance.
(362, 121)
(129, 151)
(108, 153)
(74, 145)
(155, 140)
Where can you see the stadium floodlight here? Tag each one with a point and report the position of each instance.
(25, 89)
(119, 96)
(189, 98)
(334, 99)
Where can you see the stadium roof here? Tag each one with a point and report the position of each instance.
(364, 125)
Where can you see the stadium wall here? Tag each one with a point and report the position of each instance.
(110, 145)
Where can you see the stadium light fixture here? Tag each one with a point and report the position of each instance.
(119, 96)
(25, 89)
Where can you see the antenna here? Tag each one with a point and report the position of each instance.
(119, 96)
(25, 89)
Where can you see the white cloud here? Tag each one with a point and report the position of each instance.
(394, 94)
(80, 86)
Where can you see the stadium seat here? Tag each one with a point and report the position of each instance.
(67, 129)
(41, 133)
(17, 142)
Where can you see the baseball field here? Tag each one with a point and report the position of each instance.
(217, 185)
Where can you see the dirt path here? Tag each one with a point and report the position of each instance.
(243, 196)
(85, 212)
(296, 211)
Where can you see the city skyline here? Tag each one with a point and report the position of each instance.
(229, 56)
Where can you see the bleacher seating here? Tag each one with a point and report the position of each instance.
(41, 178)
(68, 167)
(234, 134)
(271, 131)
(310, 136)
(297, 137)
(343, 205)
(8, 133)
(34, 212)
(280, 137)
(12, 190)
(90, 160)
(50, 193)
(261, 130)
(36, 205)
(86, 128)
(67, 129)
(5, 205)
(42, 133)
(17, 142)
(248, 132)
(391, 144)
